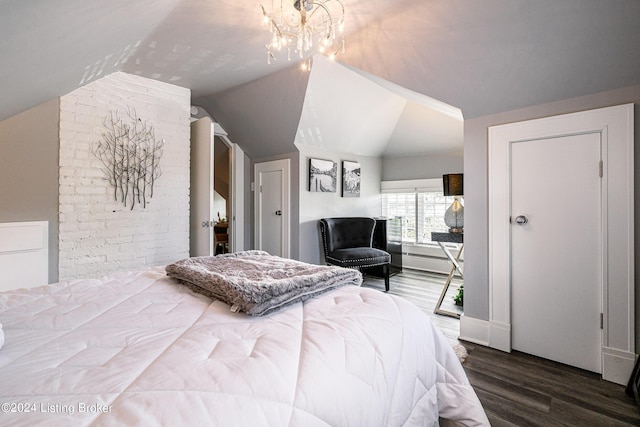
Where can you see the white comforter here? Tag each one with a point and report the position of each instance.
(138, 349)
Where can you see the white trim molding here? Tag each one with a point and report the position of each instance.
(487, 333)
(617, 365)
(474, 330)
(411, 185)
(615, 124)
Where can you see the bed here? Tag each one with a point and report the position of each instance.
(140, 348)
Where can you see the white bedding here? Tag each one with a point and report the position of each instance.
(138, 349)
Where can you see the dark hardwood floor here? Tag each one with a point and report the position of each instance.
(518, 389)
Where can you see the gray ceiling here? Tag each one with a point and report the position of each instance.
(480, 56)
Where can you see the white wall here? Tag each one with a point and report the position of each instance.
(314, 206)
(97, 234)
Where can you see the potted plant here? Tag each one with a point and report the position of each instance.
(458, 299)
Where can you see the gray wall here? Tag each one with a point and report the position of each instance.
(476, 180)
(307, 208)
(29, 153)
(261, 116)
(295, 200)
(314, 206)
(423, 166)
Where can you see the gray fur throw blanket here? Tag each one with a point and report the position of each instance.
(257, 283)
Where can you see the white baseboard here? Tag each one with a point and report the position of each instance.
(474, 330)
(617, 365)
(483, 332)
(500, 336)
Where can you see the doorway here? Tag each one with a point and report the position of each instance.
(607, 302)
(556, 236)
(272, 207)
(221, 194)
(217, 199)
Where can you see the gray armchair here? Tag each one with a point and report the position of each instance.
(348, 241)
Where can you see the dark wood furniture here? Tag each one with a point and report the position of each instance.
(387, 235)
(221, 232)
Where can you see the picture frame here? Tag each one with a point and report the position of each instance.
(323, 175)
(351, 178)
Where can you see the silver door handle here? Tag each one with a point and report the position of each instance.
(521, 220)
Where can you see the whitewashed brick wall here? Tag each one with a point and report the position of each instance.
(99, 235)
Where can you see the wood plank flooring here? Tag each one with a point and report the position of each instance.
(518, 389)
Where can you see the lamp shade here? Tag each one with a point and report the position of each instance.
(453, 184)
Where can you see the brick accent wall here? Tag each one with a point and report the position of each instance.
(99, 235)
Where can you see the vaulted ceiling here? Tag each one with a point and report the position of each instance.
(362, 114)
(482, 57)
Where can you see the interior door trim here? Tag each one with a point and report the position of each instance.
(616, 127)
(284, 166)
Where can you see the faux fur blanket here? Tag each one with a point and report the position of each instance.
(257, 283)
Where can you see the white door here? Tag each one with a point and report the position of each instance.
(237, 199)
(272, 207)
(201, 198)
(556, 249)
(203, 212)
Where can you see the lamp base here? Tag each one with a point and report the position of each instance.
(454, 216)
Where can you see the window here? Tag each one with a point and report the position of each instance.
(404, 205)
(422, 209)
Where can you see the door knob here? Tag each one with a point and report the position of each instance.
(279, 212)
(521, 220)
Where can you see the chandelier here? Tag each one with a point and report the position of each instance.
(305, 27)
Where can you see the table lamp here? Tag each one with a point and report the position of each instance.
(454, 216)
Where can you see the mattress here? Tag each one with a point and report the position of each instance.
(139, 349)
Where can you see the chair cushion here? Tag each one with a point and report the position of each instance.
(358, 257)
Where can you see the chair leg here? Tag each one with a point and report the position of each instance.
(385, 272)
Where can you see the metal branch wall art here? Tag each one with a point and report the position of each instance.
(130, 155)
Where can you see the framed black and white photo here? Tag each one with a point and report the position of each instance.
(322, 175)
(350, 179)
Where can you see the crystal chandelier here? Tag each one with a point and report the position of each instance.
(305, 27)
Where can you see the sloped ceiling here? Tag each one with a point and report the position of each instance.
(354, 112)
(50, 48)
(492, 56)
(262, 116)
(482, 57)
(344, 112)
(335, 108)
